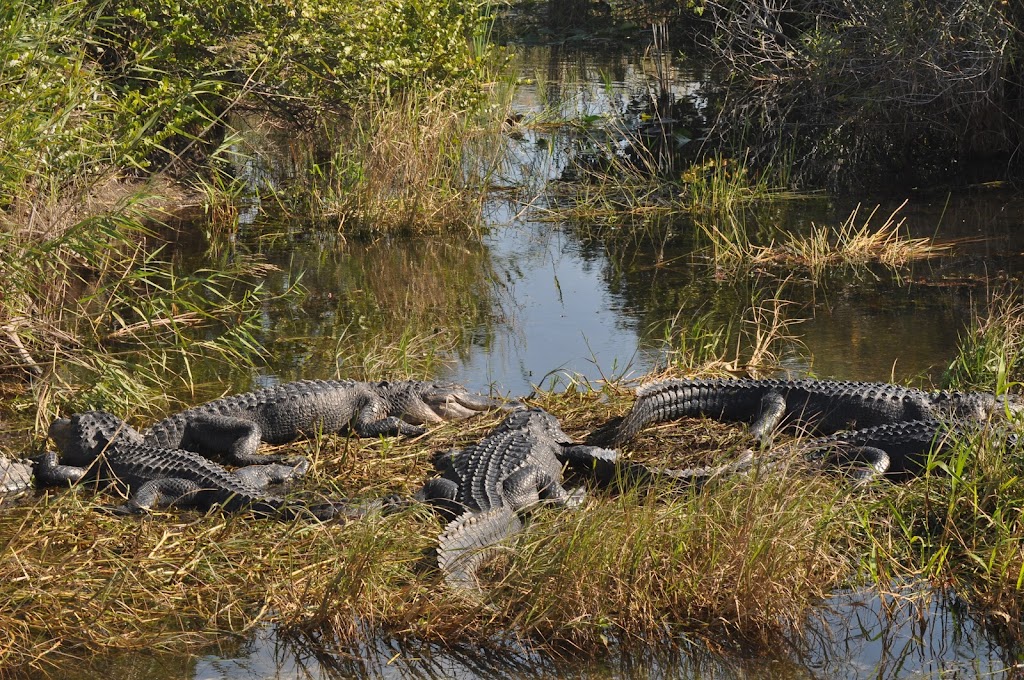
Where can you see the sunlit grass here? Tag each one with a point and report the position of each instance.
(853, 243)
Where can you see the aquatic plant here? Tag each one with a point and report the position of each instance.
(752, 342)
(411, 162)
(992, 347)
(851, 244)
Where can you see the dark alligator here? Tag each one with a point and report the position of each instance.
(896, 450)
(819, 406)
(104, 451)
(233, 427)
(483, 487)
(15, 476)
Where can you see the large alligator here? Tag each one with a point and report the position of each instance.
(483, 487)
(103, 450)
(819, 406)
(233, 427)
(897, 450)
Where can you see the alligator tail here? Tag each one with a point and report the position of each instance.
(470, 540)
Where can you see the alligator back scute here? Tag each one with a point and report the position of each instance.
(132, 466)
(490, 481)
(15, 476)
(729, 400)
(823, 406)
(84, 436)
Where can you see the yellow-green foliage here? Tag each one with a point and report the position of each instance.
(84, 86)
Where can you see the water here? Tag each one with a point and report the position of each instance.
(910, 633)
(538, 304)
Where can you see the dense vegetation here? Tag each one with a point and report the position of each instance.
(116, 117)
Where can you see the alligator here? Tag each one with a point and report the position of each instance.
(484, 487)
(896, 450)
(153, 476)
(819, 406)
(232, 427)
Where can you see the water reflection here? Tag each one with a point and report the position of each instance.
(856, 634)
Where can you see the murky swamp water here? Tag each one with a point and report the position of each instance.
(538, 303)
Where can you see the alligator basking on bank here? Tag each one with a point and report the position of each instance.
(233, 427)
(819, 406)
(103, 450)
(483, 487)
(897, 450)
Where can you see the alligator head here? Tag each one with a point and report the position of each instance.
(84, 436)
(423, 403)
(979, 405)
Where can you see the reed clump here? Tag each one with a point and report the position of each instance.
(852, 244)
(409, 162)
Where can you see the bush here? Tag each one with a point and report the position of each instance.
(859, 89)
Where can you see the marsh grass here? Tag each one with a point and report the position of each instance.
(102, 315)
(991, 349)
(629, 568)
(958, 526)
(853, 243)
(752, 343)
(410, 163)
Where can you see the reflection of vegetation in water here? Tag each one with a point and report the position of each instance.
(99, 317)
(375, 309)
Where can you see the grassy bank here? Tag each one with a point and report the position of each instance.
(626, 569)
(743, 560)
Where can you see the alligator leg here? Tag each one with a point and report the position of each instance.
(527, 486)
(771, 413)
(49, 472)
(863, 463)
(441, 494)
(369, 423)
(262, 476)
(160, 493)
(593, 462)
(234, 439)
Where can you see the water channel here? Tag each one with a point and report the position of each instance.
(540, 303)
